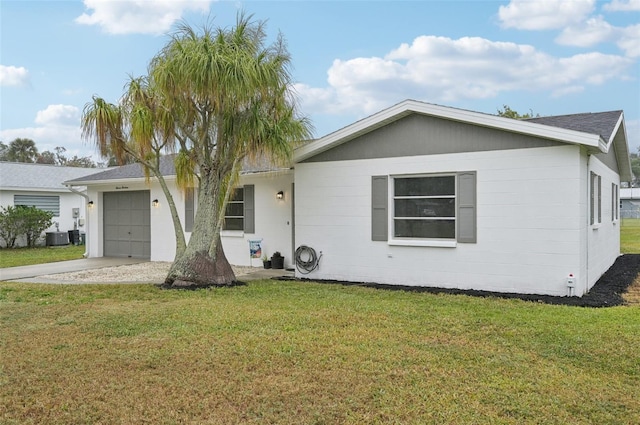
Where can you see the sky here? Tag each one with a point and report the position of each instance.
(350, 59)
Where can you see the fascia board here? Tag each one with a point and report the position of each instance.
(130, 180)
(622, 150)
(352, 131)
(492, 121)
(62, 189)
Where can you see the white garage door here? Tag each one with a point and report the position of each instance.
(127, 229)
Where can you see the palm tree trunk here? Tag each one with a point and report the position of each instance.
(198, 266)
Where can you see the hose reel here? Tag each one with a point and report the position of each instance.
(306, 259)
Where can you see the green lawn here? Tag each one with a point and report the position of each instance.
(630, 236)
(28, 256)
(291, 352)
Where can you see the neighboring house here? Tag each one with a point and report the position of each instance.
(630, 202)
(40, 185)
(417, 195)
(425, 195)
(133, 219)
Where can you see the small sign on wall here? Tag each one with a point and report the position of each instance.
(255, 248)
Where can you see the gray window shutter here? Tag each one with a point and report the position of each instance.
(592, 198)
(467, 207)
(249, 209)
(189, 211)
(379, 202)
(613, 201)
(599, 199)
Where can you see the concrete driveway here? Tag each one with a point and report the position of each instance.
(29, 272)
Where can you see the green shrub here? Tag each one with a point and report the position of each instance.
(25, 221)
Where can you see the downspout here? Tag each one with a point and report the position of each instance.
(86, 233)
(588, 177)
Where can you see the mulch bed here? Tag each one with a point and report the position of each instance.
(607, 292)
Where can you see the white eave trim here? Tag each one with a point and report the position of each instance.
(128, 180)
(62, 189)
(411, 106)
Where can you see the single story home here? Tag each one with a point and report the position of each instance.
(134, 220)
(630, 202)
(417, 194)
(40, 185)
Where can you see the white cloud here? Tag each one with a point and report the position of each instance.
(58, 115)
(138, 16)
(543, 15)
(13, 76)
(622, 6)
(629, 41)
(596, 30)
(56, 125)
(593, 31)
(440, 69)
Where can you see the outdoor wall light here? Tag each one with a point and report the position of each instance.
(155, 203)
(90, 204)
(280, 195)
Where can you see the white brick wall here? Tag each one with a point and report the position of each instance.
(529, 222)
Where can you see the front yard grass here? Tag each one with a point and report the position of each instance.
(292, 352)
(29, 256)
(630, 236)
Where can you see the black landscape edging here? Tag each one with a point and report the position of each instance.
(607, 292)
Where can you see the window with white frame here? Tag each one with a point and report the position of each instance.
(424, 207)
(596, 199)
(234, 212)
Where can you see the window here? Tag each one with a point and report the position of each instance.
(596, 199)
(45, 203)
(424, 207)
(234, 213)
(429, 210)
(615, 202)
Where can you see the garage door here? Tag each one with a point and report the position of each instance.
(127, 230)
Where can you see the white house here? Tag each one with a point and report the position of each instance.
(426, 195)
(133, 219)
(40, 185)
(417, 194)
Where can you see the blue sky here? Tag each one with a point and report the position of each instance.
(350, 58)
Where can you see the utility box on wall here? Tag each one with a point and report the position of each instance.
(76, 212)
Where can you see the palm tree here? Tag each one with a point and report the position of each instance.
(22, 150)
(231, 101)
(139, 128)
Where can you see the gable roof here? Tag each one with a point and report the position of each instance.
(38, 177)
(601, 123)
(167, 168)
(125, 172)
(609, 125)
(597, 132)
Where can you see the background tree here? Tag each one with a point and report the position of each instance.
(635, 168)
(47, 157)
(22, 150)
(507, 112)
(3, 151)
(139, 129)
(230, 96)
(59, 158)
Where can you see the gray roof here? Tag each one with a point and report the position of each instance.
(600, 123)
(129, 171)
(19, 175)
(167, 168)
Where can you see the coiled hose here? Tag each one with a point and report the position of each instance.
(306, 259)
